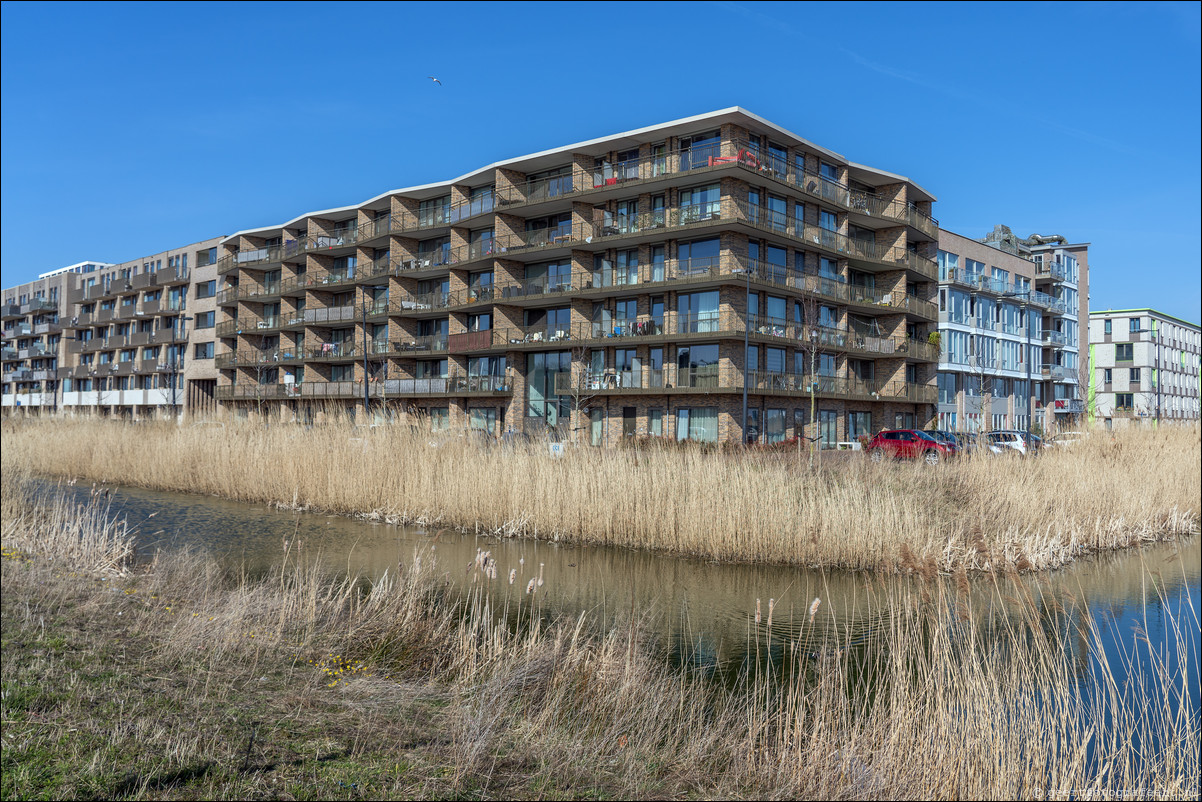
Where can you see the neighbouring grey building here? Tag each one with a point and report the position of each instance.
(1144, 367)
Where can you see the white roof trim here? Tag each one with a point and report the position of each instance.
(466, 177)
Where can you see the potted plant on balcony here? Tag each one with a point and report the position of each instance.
(935, 339)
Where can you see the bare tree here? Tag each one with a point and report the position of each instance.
(583, 386)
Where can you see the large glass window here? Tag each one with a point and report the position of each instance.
(699, 149)
(828, 428)
(774, 425)
(697, 312)
(699, 256)
(435, 212)
(549, 277)
(859, 424)
(699, 424)
(697, 366)
(550, 324)
(700, 203)
(541, 399)
(482, 419)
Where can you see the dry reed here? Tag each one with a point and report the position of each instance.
(1109, 491)
(980, 705)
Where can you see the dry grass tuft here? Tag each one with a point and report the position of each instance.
(1107, 492)
(172, 677)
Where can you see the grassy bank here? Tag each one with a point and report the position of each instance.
(183, 681)
(1107, 492)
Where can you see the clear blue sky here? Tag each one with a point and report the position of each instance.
(129, 129)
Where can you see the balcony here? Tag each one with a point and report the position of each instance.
(836, 339)
(643, 379)
(540, 287)
(455, 385)
(258, 257)
(1051, 271)
(833, 242)
(1057, 373)
(422, 303)
(255, 392)
(250, 358)
(332, 351)
(537, 191)
(840, 387)
(252, 291)
(413, 346)
(38, 306)
(327, 315)
(231, 328)
(1054, 338)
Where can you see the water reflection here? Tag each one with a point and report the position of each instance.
(705, 613)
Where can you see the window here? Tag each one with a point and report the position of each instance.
(698, 257)
(697, 150)
(203, 351)
(440, 418)
(1107, 375)
(206, 289)
(1124, 401)
(482, 419)
(434, 212)
(828, 424)
(859, 424)
(204, 320)
(699, 424)
(1124, 352)
(697, 366)
(700, 203)
(655, 422)
(1135, 375)
(697, 311)
(774, 425)
(541, 398)
(1133, 323)
(1106, 327)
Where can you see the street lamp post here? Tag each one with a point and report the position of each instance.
(1026, 305)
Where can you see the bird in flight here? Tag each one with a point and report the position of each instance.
(435, 80)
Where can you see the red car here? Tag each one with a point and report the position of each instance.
(908, 444)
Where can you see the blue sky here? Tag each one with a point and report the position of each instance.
(129, 129)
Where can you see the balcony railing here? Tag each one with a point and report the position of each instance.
(1051, 270)
(230, 328)
(496, 385)
(231, 295)
(343, 350)
(424, 302)
(431, 343)
(331, 314)
(840, 387)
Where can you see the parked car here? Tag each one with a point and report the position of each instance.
(945, 437)
(968, 443)
(1004, 441)
(908, 444)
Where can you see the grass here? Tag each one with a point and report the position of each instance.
(181, 680)
(1110, 491)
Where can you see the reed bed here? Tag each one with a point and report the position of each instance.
(1109, 491)
(952, 700)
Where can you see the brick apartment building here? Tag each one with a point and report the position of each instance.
(129, 339)
(638, 284)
